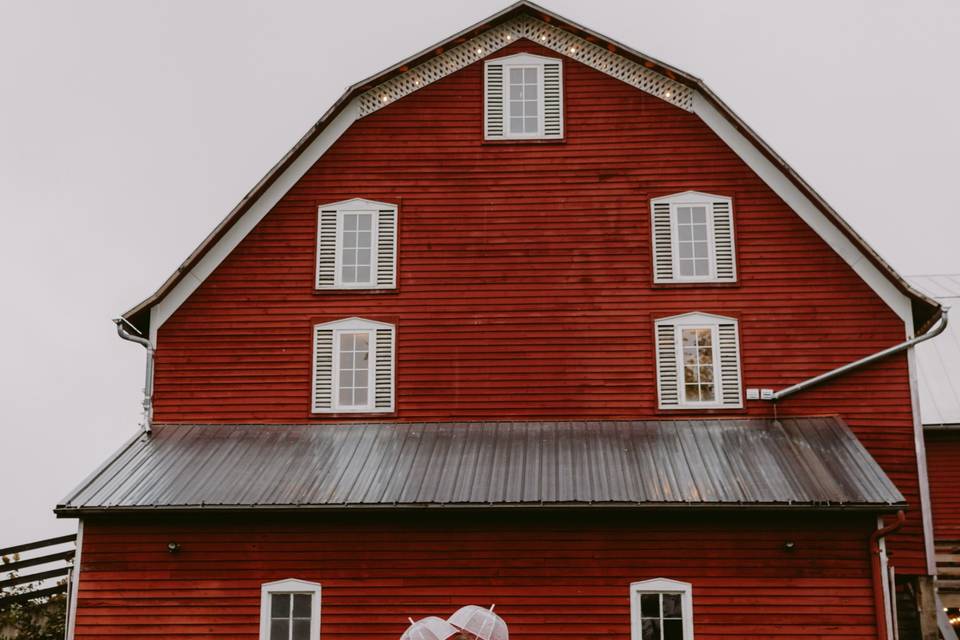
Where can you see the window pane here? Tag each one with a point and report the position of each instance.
(301, 630)
(349, 274)
(707, 393)
(673, 630)
(699, 231)
(683, 215)
(363, 240)
(346, 396)
(651, 630)
(516, 76)
(530, 75)
(363, 274)
(301, 605)
(350, 222)
(360, 396)
(280, 629)
(685, 250)
(516, 125)
(699, 215)
(516, 92)
(530, 125)
(691, 393)
(650, 605)
(703, 268)
(279, 605)
(699, 249)
(671, 605)
(364, 221)
(530, 108)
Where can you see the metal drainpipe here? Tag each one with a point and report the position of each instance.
(879, 593)
(148, 383)
(897, 348)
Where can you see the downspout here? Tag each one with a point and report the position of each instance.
(880, 592)
(829, 375)
(148, 383)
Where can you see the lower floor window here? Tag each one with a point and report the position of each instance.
(661, 609)
(290, 610)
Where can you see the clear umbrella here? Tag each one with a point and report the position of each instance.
(429, 628)
(483, 623)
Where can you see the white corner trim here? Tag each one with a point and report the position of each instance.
(75, 583)
(165, 308)
(290, 586)
(803, 207)
(920, 446)
(661, 585)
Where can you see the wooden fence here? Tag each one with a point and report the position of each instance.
(12, 578)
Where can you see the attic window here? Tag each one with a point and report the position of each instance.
(523, 98)
(353, 366)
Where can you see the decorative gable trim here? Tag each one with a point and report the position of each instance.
(542, 33)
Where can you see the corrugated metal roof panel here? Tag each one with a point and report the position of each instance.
(814, 462)
(938, 360)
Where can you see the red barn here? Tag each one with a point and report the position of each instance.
(530, 319)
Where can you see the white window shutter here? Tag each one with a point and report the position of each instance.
(668, 382)
(730, 385)
(723, 241)
(327, 249)
(322, 369)
(662, 242)
(383, 373)
(387, 248)
(552, 100)
(493, 100)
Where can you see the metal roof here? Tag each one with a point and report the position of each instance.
(926, 311)
(938, 360)
(806, 462)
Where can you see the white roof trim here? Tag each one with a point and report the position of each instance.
(803, 207)
(691, 197)
(353, 323)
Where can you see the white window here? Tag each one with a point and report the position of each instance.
(693, 238)
(698, 362)
(523, 97)
(290, 610)
(353, 366)
(661, 609)
(357, 245)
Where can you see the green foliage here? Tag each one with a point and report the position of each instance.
(40, 619)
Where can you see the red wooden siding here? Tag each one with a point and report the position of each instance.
(524, 273)
(943, 468)
(550, 576)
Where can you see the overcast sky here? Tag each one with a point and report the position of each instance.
(129, 129)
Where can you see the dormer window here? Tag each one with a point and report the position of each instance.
(693, 238)
(523, 98)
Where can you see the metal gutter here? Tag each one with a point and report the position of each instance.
(148, 378)
(880, 355)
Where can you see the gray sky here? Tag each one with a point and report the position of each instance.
(129, 129)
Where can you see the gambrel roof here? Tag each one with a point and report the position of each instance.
(527, 20)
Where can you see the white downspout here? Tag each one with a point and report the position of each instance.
(148, 382)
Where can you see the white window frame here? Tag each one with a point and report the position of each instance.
(290, 585)
(696, 320)
(675, 242)
(355, 205)
(354, 325)
(715, 352)
(659, 586)
(523, 60)
(696, 199)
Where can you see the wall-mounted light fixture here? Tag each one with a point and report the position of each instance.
(173, 547)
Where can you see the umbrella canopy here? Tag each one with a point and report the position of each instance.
(483, 623)
(429, 628)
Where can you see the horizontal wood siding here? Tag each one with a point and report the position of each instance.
(550, 577)
(524, 279)
(943, 468)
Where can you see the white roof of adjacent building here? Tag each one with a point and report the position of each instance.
(939, 359)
